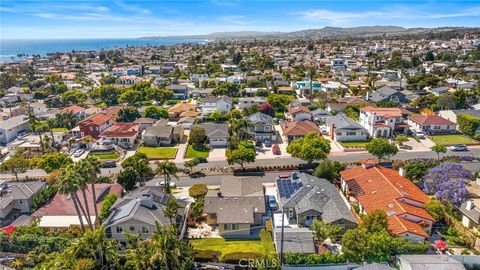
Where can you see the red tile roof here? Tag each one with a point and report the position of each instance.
(72, 109)
(299, 109)
(299, 128)
(379, 188)
(62, 205)
(430, 120)
(121, 130)
(386, 112)
(97, 119)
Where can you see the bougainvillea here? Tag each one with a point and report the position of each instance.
(447, 182)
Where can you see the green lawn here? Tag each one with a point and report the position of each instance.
(108, 156)
(158, 153)
(59, 129)
(452, 139)
(226, 246)
(354, 144)
(242, 145)
(197, 152)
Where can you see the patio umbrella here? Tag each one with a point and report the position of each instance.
(441, 245)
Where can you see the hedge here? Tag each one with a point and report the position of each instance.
(108, 201)
(468, 124)
(234, 258)
(206, 256)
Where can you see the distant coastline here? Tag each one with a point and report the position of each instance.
(17, 49)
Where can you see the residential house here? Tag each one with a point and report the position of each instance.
(248, 102)
(182, 109)
(342, 128)
(180, 91)
(138, 212)
(293, 130)
(13, 127)
(305, 86)
(427, 261)
(161, 134)
(470, 213)
(221, 104)
(122, 134)
(144, 123)
(372, 187)
(237, 208)
(295, 240)
(451, 115)
(286, 90)
(197, 77)
(217, 134)
(16, 199)
(299, 113)
(186, 122)
(386, 94)
(431, 124)
(332, 87)
(60, 211)
(438, 91)
(114, 110)
(95, 124)
(320, 115)
(308, 198)
(262, 127)
(382, 122)
(77, 111)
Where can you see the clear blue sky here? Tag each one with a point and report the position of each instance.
(119, 19)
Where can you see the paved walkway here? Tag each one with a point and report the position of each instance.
(182, 148)
(217, 154)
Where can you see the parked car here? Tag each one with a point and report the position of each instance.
(267, 143)
(276, 149)
(258, 143)
(459, 147)
(162, 184)
(272, 203)
(202, 160)
(108, 164)
(419, 134)
(78, 153)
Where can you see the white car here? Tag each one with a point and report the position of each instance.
(419, 134)
(162, 184)
(78, 153)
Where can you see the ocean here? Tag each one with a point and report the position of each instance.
(10, 49)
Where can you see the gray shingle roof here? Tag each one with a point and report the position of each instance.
(14, 121)
(23, 190)
(215, 130)
(382, 94)
(296, 240)
(319, 195)
(260, 117)
(341, 121)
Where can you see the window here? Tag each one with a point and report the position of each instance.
(119, 229)
(351, 133)
(338, 133)
(225, 227)
(20, 201)
(132, 228)
(437, 127)
(234, 227)
(144, 229)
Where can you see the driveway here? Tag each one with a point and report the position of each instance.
(217, 154)
(181, 153)
(333, 144)
(418, 146)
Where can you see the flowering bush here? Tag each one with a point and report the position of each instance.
(447, 182)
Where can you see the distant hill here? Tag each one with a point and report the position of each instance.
(325, 32)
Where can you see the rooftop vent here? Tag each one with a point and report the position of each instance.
(146, 200)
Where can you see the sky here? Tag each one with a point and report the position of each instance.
(130, 19)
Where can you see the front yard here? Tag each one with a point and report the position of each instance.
(59, 129)
(106, 156)
(354, 144)
(197, 152)
(158, 152)
(226, 246)
(452, 139)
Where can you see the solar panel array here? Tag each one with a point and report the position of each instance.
(287, 187)
(162, 199)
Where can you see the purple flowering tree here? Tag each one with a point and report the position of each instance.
(448, 182)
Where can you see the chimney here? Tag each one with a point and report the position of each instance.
(469, 205)
(401, 171)
(146, 200)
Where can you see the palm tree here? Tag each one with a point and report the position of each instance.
(36, 126)
(81, 169)
(51, 123)
(171, 210)
(89, 168)
(67, 186)
(168, 170)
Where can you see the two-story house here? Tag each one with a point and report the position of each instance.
(372, 187)
(386, 94)
(237, 207)
(138, 211)
(161, 134)
(299, 113)
(95, 125)
(122, 134)
(342, 128)
(180, 91)
(262, 127)
(382, 122)
(217, 134)
(16, 199)
(11, 128)
(221, 104)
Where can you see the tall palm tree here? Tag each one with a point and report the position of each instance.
(51, 123)
(168, 170)
(171, 210)
(37, 127)
(67, 186)
(94, 171)
(88, 169)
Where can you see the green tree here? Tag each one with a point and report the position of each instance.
(279, 102)
(197, 190)
(171, 210)
(375, 221)
(400, 139)
(128, 114)
(156, 112)
(127, 178)
(108, 94)
(309, 148)
(159, 95)
(168, 170)
(67, 185)
(197, 136)
(329, 169)
(436, 209)
(139, 163)
(15, 165)
(438, 148)
(196, 210)
(430, 56)
(381, 147)
(322, 230)
(190, 164)
(242, 156)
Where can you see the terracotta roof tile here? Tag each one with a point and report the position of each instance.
(299, 128)
(121, 130)
(430, 120)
